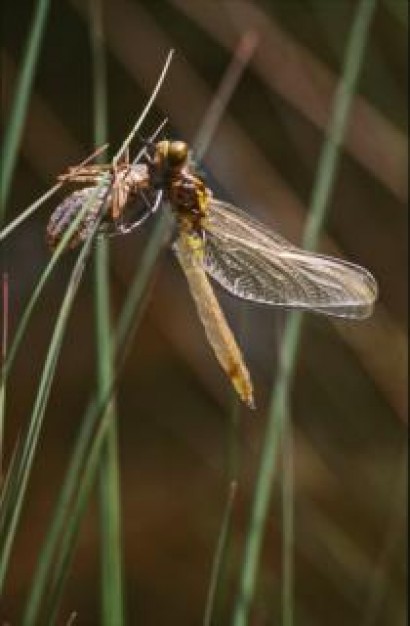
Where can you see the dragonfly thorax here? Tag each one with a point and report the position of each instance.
(189, 199)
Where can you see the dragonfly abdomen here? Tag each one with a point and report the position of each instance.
(220, 336)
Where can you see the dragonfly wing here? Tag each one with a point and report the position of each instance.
(253, 263)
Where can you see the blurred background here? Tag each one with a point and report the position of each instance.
(181, 443)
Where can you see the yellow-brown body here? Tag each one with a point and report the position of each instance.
(189, 198)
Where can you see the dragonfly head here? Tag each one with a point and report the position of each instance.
(174, 153)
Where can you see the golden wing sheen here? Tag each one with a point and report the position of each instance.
(254, 263)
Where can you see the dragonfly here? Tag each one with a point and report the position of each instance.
(218, 240)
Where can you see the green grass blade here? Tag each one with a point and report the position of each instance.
(8, 529)
(109, 488)
(67, 236)
(13, 488)
(64, 521)
(7, 230)
(129, 320)
(219, 555)
(11, 516)
(11, 493)
(7, 486)
(226, 88)
(70, 535)
(266, 473)
(287, 521)
(20, 103)
(12, 137)
(278, 406)
(60, 249)
(110, 514)
(124, 146)
(400, 10)
(4, 343)
(62, 510)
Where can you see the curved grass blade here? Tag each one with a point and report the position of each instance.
(326, 172)
(63, 244)
(79, 456)
(4, 342)
(73, 477)
(219, 554)
(61, 247)
(19, 334)
(20, 103)
(241, 57)
(12, 495)
(11, 516)
(7, 230)
(146, 109)
(64, 522)
(400, 10)
(129, 321)
(13, 134)
(287, 519)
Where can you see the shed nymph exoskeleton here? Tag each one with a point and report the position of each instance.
(126, 182)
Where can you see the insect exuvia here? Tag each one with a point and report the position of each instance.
(217, 239)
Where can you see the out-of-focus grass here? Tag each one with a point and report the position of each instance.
(400, 9)
(20, 103)
(292, 119)
(12, 500)
(109, 484)
(278, 410)
(20, 471)
(61, 537)
(219, 555)
(10, 148)
(62, 534)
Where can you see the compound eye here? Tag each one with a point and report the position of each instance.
(177, 153)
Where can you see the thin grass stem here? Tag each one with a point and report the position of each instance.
(20, 103)
(219, 553)
(230, 80)
(63, 521)
(60, 249)
(287, 522)
(109, 488)
(147, 107)
(79, 456)
(4, 343)
(48, 194)
(29, 444)
(240, 59)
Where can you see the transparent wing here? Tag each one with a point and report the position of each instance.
(254, 263)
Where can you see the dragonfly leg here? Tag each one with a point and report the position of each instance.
(115, 203)
(158, 199)
(78, 178)
(150, 210)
